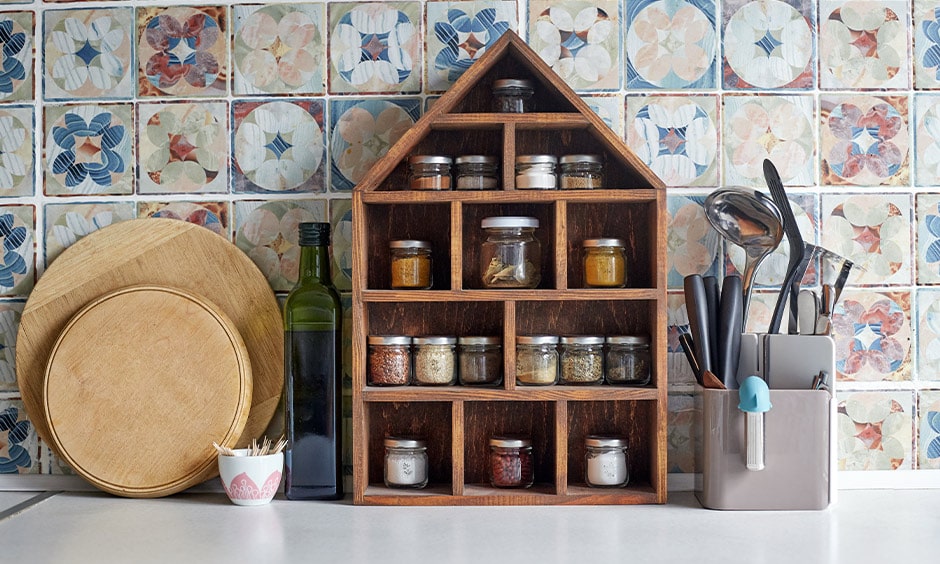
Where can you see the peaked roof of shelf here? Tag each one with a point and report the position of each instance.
(508, 45)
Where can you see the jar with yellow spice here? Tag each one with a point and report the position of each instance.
(411, 264)
(604, 263)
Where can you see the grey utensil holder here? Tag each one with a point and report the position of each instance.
(799, 458)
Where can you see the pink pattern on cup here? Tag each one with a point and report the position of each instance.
(243, 487)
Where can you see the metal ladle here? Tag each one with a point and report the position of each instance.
(750, 220)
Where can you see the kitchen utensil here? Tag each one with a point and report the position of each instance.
(136, 383)
(713, 303)
(696, 306)
(808, 312)
(794, 239)
(164, 252)
(688, 346)
(826, 303)
(710, 381)
(729, 331)
(754, 401)
(750, 220)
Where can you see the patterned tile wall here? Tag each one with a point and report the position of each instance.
(248, 118)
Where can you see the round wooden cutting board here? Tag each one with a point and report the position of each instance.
(158, 252)
(139, 384)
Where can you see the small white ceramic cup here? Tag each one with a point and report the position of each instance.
(250, 480)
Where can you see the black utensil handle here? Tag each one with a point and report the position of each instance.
(713, 304)
(696, 305)
(729, 331)
(688, 347)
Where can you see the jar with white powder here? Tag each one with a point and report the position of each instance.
(406, 463)
(606, 462)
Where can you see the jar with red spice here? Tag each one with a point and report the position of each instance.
(510, 462)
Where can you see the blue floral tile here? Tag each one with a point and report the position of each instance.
(928, 335)
(19, 450)
(875, 430)
(211, 215)
(182, 51)
(928, 238)
(927, 140)
(16, 151)
(864, 44)
(362, 131)
(279, 49)
(779, 128)
(927, 44)
(579, 40)
(375, 47)
(864, 140)
(183, 147)
(341, 218)
(89, 149)
(88, 53)
(692, 246)
(769, 44)
(278, 146)
(268, 233)
(16, 56)
(67, 223)
(10, 313)
(610, 109)
(676, 136)
(17, 234)
(671, 44)
(681, 433)
(458, 34)
(873, 336)
(928, 444)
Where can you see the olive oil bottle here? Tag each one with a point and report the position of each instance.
(313, 374)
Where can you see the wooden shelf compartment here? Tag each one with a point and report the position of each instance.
(519, 393)
(416, 319)
(635, 195)
(532, 120)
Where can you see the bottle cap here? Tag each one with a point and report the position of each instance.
(314, 234)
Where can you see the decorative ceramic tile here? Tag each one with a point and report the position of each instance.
(610, 109)
(89, 149)
(579, 40)
(761, 310)
(10, 312)
(692, 246)
(671, 44)
(375, 47)
(680, 436)
(268, 233)
(19, 453)
(182, 51)
(864, 140)
(874, 232)
(88, 53)
(875, 430)
(183, 147)
(16, 56)
(17, 233)
(50, 463)
(211, 215)
(279, 49)
(927, 139)
(928, 444)
(16, 151)
(67, 223)
(768, 44)
(278, 146)
(458, 34)
(928, 238)
(362, 131)
(872, 332)
(926, 44)
(341, 218)
(676, 136)
(779, 128)
(864, 44)
(928, 334)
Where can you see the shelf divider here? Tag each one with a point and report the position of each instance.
(456, 448)
(561, 447)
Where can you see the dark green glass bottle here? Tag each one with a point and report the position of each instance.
(313, 372)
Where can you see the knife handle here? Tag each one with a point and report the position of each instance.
(730, 325)
(696, 305)
(713, 304)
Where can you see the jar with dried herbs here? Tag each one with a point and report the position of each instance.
(411, 264)
(511, 464)
(604, 263)
(513, 95)
(481, 361)
(477, 172)
(389, 360)
(581, 172)
(628, 360)
(536, 360)
(511, 256)
(582, 360)
(435, 360)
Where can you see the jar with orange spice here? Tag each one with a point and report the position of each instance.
(604, 263)
(411, 264)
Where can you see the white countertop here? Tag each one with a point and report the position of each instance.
(864, 526)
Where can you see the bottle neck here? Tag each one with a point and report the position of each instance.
(315, 265)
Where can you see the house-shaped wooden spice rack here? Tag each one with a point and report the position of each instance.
(457, 421)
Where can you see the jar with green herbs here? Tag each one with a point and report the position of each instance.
(628, 360)
(536, 360)
(511, 256)
(582, 360)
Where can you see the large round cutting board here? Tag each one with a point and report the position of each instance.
(139, 384)
(159, 252)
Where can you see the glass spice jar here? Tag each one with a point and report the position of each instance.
(511, 462)
(406, 463)
(511, 256)
(480, 360)
(606, 462)
(389, 360)
(582, 360)
(581, 172)
(536, 360)
(604, 263)
(435, 361)
(511, 95)
(411, 264)
(628, 360)
(477, 172)
(429, 172)
(536, 172)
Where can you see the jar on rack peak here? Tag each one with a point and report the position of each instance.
(606, 461)
(429, 172)
(511, 256)
(605, 263)
(536, 172)
(581, 172)
(406, 462)
(513, 95)
(477, 172)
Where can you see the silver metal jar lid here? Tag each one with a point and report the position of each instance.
(628, 340)
(409, 244)
(582, 340)
(510, 442)
(605, 441)
(480, 340)
(429, 159)
(568, 159)
(536, 340)
(404, 442)
(512, 83)
(435, 340)
(389, 340)
(536, 159)
(509, 221)
(589, 243)
(475, 159)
